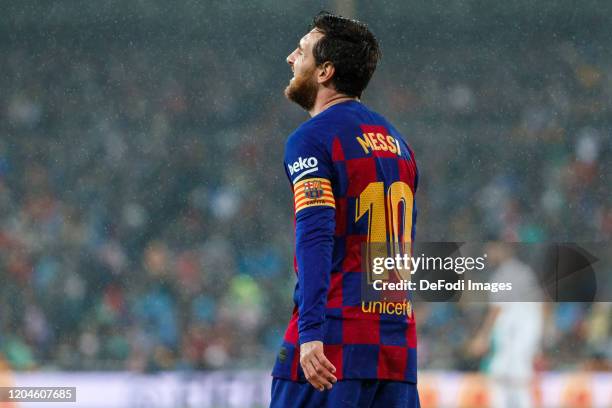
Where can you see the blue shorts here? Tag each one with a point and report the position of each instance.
(345, 394)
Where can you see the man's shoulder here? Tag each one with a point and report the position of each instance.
(315, 131)
(339, 120)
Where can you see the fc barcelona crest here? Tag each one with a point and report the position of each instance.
(313, 192)
(313, 189)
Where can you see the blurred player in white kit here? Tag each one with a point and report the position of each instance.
(512, 330)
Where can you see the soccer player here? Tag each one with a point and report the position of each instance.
(353, 179)
(511, 332)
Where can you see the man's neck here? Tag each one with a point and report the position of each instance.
(325, 101)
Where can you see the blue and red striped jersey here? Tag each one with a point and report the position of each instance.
(353, 179)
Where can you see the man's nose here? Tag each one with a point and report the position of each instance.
(291, 58)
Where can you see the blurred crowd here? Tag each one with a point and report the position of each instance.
(145, 218)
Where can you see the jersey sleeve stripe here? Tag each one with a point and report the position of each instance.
(301, 185)
(315, 204)
(325, 196)
(313, 192)
(301, 189)
(316, 201)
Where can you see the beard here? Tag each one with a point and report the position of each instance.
(303, 91)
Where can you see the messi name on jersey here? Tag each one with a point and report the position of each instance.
(379, 142)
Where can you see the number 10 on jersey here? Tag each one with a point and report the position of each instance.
(389, 215)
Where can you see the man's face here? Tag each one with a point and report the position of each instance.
(303, 87)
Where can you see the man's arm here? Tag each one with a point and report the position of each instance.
(309, 168)
(480, 343)
(314, 231)
(314, 245)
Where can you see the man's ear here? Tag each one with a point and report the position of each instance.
(325, 72)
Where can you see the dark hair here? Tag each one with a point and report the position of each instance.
(351, 47)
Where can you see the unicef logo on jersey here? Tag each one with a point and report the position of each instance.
(305, 166)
